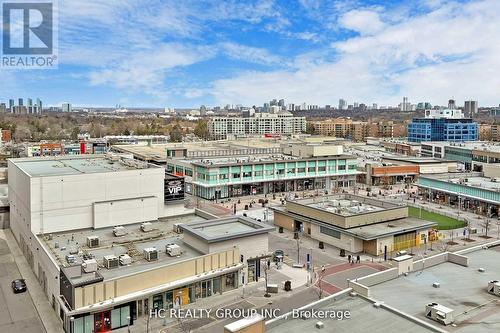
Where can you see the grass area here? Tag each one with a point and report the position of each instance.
(444, 222)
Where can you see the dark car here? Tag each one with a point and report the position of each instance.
(278, 255)
(19, 286)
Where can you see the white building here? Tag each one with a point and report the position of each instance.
(444, 113)
(283, 123)
(66, 107)
(65, 213)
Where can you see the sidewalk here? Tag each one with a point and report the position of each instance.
(48, 316)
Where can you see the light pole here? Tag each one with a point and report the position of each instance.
(71, 323)
(298, 248)
(128, 324)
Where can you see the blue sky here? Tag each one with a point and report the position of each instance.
(187, 53)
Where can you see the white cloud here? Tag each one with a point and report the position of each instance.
(148, 70)
(363, 21)
(250, 54)
(451, 51)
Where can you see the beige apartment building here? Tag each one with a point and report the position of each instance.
(358, 130)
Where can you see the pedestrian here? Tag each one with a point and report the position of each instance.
(352, 262)
(358, 259)
(268, 264)
(349, 258)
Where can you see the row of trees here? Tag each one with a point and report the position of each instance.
(64, 126)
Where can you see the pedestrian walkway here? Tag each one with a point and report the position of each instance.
(49, 318)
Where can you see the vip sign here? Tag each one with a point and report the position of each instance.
(29, 34)
(174, 190)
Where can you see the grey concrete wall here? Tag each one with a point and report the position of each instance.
(430, 261)
(479, 247)
(379, 277)
(458, 259)
(359, 288)
(204, 214)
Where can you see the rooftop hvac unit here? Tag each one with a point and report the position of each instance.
(494, 287)
(146, 226)
(119, 231)
(150, 254)
(173, 250)
(73, 250)
(176, 228)
(125, 260)
(89, 266)
(70, 259)
(439, 313)
(110, 261)
(93, 241)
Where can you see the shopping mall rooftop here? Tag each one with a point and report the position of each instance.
(76, 165)
(132, 242)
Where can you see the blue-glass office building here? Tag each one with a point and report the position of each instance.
(442, 129)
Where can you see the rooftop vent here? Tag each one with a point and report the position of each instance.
(89, 266)
(150, 254)
(125, 260)
(93, 241)
(146, 226)
(173, 250)
(110, 261)
(119, 231)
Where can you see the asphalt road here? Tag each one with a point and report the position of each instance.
(17, 312)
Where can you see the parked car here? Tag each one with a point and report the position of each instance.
(19, 286)
(278, 254)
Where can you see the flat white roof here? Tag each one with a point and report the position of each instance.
(75, 165)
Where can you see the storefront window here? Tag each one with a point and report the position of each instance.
(206, 288)
(158, 301)
(216, 285)
(192, 293)
(169, 296)
(229, 281)
(115, 318)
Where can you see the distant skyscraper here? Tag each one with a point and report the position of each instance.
(29, 102)
(451, 104)
(470, 108)
(20, 102)
(11, 105)
(342, 104)
(39, 104)
(374, 106)
(66, 107)
(281, 103)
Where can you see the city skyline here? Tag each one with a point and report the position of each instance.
(187, 54)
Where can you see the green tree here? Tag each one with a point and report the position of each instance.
(310, 129)
(176, 133)
(201, 129)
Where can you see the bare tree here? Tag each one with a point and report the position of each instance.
(486, 225)
(319, 285)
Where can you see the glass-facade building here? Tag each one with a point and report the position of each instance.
(442, 129)
(286, 175)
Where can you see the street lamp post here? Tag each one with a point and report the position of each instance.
(71, 323)
(128, 324)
